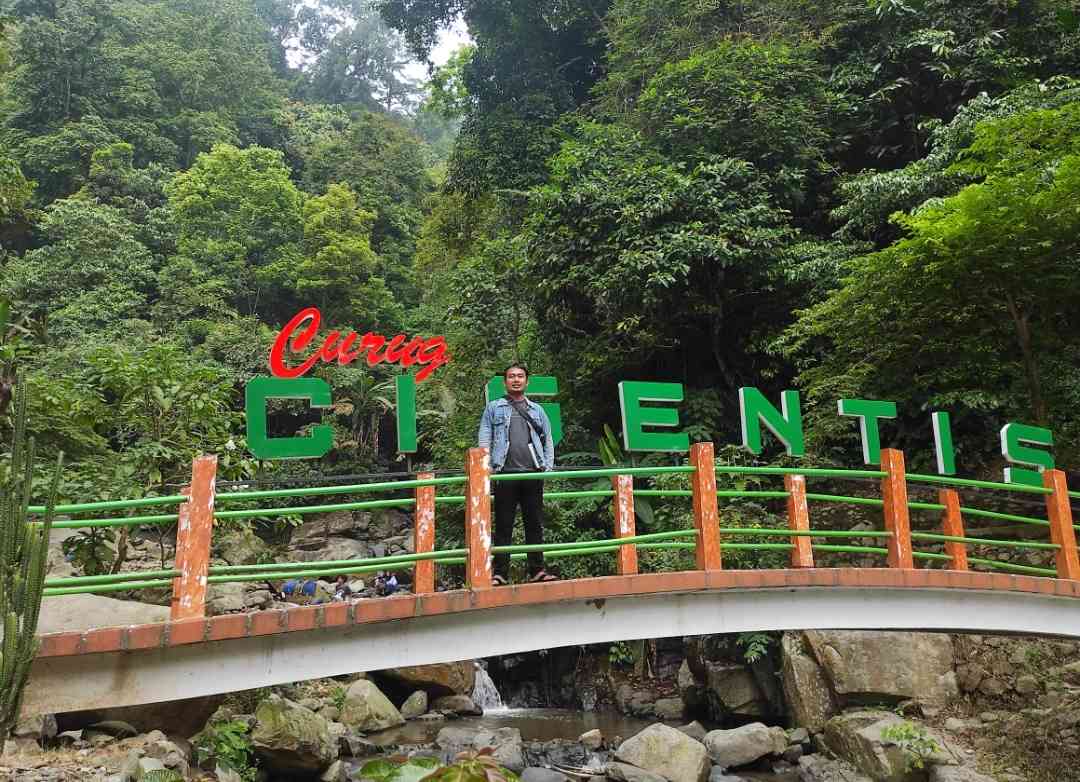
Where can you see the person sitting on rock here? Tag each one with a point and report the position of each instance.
(342, 590)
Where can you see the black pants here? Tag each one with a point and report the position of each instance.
(508, 495)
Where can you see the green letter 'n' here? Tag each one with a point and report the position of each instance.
(785, 423)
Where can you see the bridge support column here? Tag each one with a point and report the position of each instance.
(193, 532)
(478, 518)
(802, 555)
(897, 521)
(625, 525)
(706, 513)
(952, 523)
(424, 536)
(1059, 512)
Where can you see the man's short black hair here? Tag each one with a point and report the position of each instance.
(515, 365)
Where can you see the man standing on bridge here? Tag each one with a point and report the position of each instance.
(518, 433)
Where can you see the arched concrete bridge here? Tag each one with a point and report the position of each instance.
(193, 655)
(188, 658)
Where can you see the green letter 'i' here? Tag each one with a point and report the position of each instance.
(943, 444)
(405, 386)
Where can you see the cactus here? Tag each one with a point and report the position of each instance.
(23, 549)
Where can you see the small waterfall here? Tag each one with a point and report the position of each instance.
(485, 694)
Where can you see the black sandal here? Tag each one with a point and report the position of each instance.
(499, 581)
(542, 576)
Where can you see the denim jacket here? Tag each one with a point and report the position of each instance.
(495, 433)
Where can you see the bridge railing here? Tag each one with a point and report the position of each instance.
(198, 505)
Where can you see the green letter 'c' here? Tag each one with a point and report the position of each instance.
(1013, 437)
(868, 412)
(635, 417)
(755, 409)
(258, 390)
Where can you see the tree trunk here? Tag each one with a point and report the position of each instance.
(1022, 322)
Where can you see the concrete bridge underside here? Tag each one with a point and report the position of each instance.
(120, 667)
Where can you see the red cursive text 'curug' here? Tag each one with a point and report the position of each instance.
(430, 353)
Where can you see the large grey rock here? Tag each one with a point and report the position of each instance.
(334, 548)
(290, 739)
(957, 774)
(663, 750)
(506, 743)
(863, 665)
(82, 612)
(225, 598)
(694, 730)
(745, 744)
(625, 772)
(183, 718)
(818, 768)
(441, 679)
(809, 698)
(336, 772)
(318, 528)
(535, 774)
(591, 739)
(241, 546)
(367, 709)
(415, 705)
(462, 705)
(39, 727)
(717, 775)
(670, 709)
(856, 736)
(732, 690)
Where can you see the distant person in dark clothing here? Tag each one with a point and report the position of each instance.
(518, 432)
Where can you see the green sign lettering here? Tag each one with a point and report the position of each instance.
(405, 388)
(943, 444)
(635, 417)
(260, 389)
(1013, 448)
(785, 424)
(868, 411)
(539, 386)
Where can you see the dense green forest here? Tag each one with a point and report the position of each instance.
(873, 198)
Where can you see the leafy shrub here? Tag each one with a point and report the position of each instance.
(228, 744)
(913, 739)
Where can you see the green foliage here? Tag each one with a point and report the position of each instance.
(398, 769)
(620, 654)
(23, 553)
(161, 775)
(92, 551)
(473, 767)
(914, 740)
(229, 745)
(755, 645)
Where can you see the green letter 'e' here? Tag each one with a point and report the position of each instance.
(1013, 437)
(635, 417)
(539, 386)
(258, 390)
(755, 409)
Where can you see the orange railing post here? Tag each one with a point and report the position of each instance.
(1059, 512)
(706, 513)
(897, 521)
(625, 524)
(193, 533)
(424, 536)
(478, 518)
(952, 523)
(802, 553)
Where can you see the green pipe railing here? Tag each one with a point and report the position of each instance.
(914, 477)
(173, 499)
(302, 509)
(110, 578)
(355, 488)
(130, 521)
(982, 541)
(335, 563)
(604, 472)
(809, 472)
(841, 498)
(119, 587)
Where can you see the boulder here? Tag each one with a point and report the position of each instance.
(182, 718)
(334, 548)
(534, 774)
(336, 772)
(415, 705)
(318, 528)
(290, 739)
(668, 752)
(694, 730)
(957, 774)
(717, 775)
(670, 709)
(225, 598)
(367, 709)
(856, 736)
(461, 705)
(818, 768)
(624, 772)
(40, 727)
(591, 739)
(872, 666)
(809, 698)
(745, 744)
(732, 690)
(442, 679)
(241, 546)
(506, 743)
(82, 612)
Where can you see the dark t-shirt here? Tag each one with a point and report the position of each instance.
(519, 458)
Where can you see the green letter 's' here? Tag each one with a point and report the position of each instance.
(943, 444)
(1013, 437)
(405, 386)
(258, 390)
(868, 412)
(755, 409)
(635, 417)
(539, 386)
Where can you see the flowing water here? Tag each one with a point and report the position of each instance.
(485, 694)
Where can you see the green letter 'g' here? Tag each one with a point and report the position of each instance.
(258, 390)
